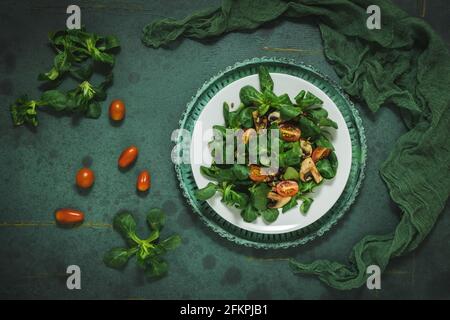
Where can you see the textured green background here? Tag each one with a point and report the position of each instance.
(37, 168)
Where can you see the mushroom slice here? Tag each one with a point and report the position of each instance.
(307, 169)
(306, 147)
(248, 134)
(274, 117)
(280, 201)
(260, 122)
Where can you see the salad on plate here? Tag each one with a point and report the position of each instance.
(280, 151)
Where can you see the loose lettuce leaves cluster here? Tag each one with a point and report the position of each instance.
(79, 55)
(149, 252)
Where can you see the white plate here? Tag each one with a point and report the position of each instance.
(325, 196)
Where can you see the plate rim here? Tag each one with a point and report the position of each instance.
(301, 239)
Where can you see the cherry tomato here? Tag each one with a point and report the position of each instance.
(256, 175)
(289, 132)
(319, 153)
(85, 178)
(117, 110)
(287, 188)
(143, 181)
(68, 216)
(128, 156)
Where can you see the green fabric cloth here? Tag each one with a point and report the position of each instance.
(404, 64)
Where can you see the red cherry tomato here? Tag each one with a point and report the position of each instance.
(128, 156)
(256, 175)
(117, 110)
(287, 188)
(320, 153)
(85, 178)
(68, 216)
(289, 133)
(143, 181)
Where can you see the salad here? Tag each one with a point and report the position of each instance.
(301, 151)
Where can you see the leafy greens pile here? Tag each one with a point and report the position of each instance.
(305, 155)
(148, 251)
(78, 54)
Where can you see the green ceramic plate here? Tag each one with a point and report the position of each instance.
(333, 198)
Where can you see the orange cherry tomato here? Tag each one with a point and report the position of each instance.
(143, 181)
(68, 216)
(117, 110)
(128, 156)
(287, 188)
(319, 153)
(289, 132)
(85, 178)
(256, 175)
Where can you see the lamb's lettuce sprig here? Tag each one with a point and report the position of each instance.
(149, 251)
(79, 55)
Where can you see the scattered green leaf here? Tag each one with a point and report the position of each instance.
(148, 251)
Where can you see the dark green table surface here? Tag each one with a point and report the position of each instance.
(37, 168)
